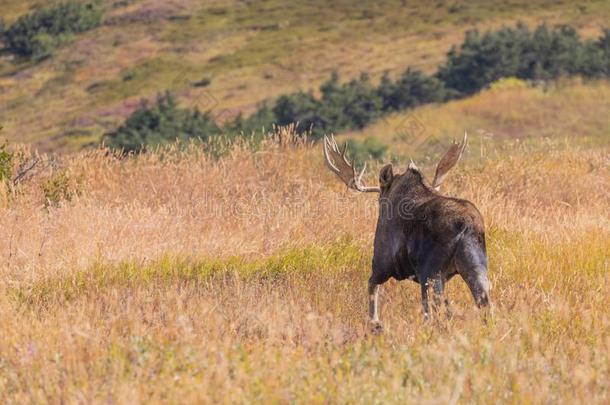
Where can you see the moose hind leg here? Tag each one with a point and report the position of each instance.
(479, 285)
(433, 261)
(440, 298)
(472, 266)
(475, 276)
(438, 288)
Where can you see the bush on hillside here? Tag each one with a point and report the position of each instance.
(352, 105)
(6, 163)
(62, 187)
(259, 122)
(551, 53)
(369, 149)
(412, 88)
(298, 108)
(596, 57)
(37, 34)
(159, 124)
(540, 55)
(481, 60)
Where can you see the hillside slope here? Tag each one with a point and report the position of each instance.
(248, 51)
(510, 115)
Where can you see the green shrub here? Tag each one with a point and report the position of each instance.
(480, 61)
(256, 124)
(37, 34)
(369, 149)
(6, 164)
(61, 187)
(413, 88)
(483, 59)
(160, 124)
(543, 54)
(352, 105)
(551, 53)
(595, 60)
(300, 108)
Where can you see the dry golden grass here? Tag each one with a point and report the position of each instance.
(572, 112)
(172, 278)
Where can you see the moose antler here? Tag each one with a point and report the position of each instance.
(338, 164)
(449, 160)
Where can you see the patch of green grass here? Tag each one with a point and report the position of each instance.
(510, 256)
(290, 261)
(164, 72)
(56, 83)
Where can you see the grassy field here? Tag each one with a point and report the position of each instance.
(247, 50)
(171, 278)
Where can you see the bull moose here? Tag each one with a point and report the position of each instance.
(421, 235)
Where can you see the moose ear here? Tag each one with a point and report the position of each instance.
(386, 175)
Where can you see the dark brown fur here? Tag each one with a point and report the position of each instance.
(426, 237)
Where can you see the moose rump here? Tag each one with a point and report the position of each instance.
(420, 235)
(430, 243)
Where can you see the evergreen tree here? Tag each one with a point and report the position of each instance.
(260, 121)
(478, 62)
(159, 124)
(351, 105)
(551, 53)
(37, 34)
(413, 88)
(483, 59)
(299, 107)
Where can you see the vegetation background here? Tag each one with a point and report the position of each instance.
(238, 276)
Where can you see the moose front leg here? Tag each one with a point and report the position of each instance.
(374, 306)
(425, 286)
(438, 286)
(424, 299)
